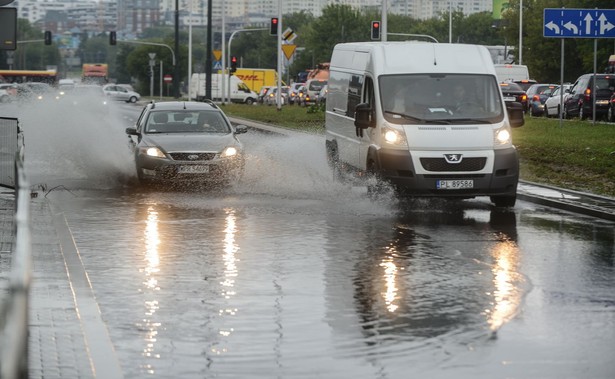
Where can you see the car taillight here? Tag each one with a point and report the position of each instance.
(523, 97)
(588, 94)
(536, 98)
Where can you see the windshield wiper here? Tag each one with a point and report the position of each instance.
(471, 121)
(406, 116)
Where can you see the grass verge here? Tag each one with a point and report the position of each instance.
(577, 155)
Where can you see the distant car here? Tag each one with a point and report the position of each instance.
(580, 102)
(42, 91)
(313, 88)
(294, 94)
(514, 92)
(322, 94)
(11, 91)
(525, 83)
(537, 94)
(553, 104)
(120, 93)
(4, 96)
(262, 93)
(180, 142)
(87, 96)
(272, 96)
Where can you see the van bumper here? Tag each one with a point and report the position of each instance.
(397, 168)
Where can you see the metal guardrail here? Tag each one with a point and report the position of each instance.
(14, 309)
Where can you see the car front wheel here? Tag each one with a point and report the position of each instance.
(133, 99)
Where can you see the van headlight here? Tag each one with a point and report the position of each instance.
(394, 137)
(501, 137)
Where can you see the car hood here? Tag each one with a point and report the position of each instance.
(190, 141)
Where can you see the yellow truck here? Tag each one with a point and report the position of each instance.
(255, 78)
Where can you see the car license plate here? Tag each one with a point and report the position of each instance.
(454, 184)
(507, 98)
(193, 169)
(602, 102)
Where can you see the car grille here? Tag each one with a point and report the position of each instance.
(192, 157)
(440, 164)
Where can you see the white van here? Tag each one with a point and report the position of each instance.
(393, 112)
(511, 72)
(240, 92)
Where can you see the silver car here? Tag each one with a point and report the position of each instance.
(120, 93)
(186, 142)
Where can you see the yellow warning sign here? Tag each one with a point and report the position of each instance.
(289, 50)
(218, 54)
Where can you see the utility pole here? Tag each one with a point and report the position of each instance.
(176, 71)
(208, 53)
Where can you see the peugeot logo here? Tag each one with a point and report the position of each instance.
(453, 158)
(193, 157)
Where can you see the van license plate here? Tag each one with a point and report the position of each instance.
(454, 184)
(195, 169)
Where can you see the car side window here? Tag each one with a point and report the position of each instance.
(141, 120)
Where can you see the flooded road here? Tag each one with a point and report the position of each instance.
(292, 275)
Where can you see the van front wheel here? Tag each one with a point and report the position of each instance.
(504, 201)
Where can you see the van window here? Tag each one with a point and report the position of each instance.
(435, 98)
(354, 93)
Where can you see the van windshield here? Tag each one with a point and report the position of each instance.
(440, 98)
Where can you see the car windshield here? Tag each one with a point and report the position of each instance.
(441, 98)
(185, 121)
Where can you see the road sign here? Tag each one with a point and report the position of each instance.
(579, 23)
(288, 50)
(289, 35)
(217, 65)
(167, 78)
(217, 54)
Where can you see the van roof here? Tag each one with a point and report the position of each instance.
(410, 56)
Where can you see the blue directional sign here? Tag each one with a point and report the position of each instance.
(579, 23)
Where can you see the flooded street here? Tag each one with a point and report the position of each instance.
(290, 274)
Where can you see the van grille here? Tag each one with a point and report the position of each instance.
(440, 164)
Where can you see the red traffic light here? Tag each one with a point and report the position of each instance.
(274, 26)
(375, 30)
(233, 64)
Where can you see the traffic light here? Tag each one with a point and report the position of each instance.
(112, 38)
(376, 30)
(47, 37)
(274, 26)
(233, 64)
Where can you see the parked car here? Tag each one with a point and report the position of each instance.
(514, 92)
(293, 93)
(178, 142)
(120, 93)
(553, 104)
(537, 94)
(580, 101)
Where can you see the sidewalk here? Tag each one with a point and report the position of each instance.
(68, 339)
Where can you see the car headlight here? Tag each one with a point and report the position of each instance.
(501, 137)
(154, 152)
(394, 137)
(229, 152)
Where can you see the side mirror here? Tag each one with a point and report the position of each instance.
(241, 129)
(363, 116)
(515, 114)
(132, 131)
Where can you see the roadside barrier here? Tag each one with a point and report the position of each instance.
(14, 309)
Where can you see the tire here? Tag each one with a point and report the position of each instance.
(504, 201)
(375, 184)
(582, 114)
(249, 101)
(133, 99)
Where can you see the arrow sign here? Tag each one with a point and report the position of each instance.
(579, 23)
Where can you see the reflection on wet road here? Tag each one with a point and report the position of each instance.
(292, 275)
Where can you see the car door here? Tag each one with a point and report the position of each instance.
(571, 102)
